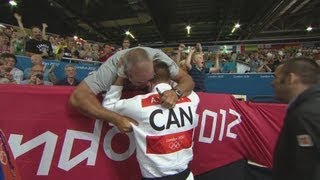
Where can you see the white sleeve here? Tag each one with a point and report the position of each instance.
(112, 96)
(18, 76)
(126, 107)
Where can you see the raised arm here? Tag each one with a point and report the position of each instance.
(52, 77)
(216, 67)
(188, 60)
(44, 28)
(18, 18)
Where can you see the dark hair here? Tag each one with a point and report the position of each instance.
(126, 38)
(161, 70)
(107, 44)
(9, 55)
(307, 69)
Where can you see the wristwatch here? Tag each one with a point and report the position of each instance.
(178, 92)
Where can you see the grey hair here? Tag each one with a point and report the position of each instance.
(134, 56)
(69, 65)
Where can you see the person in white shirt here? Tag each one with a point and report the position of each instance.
(11, 61)
(163, 136)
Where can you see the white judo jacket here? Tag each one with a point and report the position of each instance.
(164, 137)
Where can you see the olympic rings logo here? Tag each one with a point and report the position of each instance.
(175, 145)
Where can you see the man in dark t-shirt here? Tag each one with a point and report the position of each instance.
(37, 45)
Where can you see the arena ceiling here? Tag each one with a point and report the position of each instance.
(165, 21)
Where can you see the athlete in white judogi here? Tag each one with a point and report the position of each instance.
(163, 136)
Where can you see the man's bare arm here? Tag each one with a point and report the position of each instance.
(169, 98)
(87, 103)
(185, 82)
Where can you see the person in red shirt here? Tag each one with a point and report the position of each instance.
(107, 52)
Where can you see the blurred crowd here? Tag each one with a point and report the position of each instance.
(22, 41)
(37, 44)
(259, 61)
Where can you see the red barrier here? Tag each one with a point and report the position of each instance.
(49, 140)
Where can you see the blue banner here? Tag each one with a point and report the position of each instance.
(82, 68)
(250, 84)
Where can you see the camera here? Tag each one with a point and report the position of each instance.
(39, 76)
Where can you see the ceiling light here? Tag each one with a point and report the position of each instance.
(236, 26)
(12, 3)
(309, 29)
(132, 36)
(188, 29)
(128, 33)
(232, 31)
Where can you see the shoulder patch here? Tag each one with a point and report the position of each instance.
(304, 140)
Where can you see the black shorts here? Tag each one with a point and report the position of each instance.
(180, 176)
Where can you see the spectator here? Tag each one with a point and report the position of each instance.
(37, 74)
(155, 159)
(125, 43)
(176, 55)
(96, 50)
(137, 65)
(264, 67)
(5, 76)
(37, 45)
(255, 63)
(8, 31)
(54, 44)
(48, 74)
(70, 80)
(60, 43)
(296, 154)
(197, 69)
(4, 44)
(68, 52)
(229, 65)
(18, 42)
(87, 53)
(198, 48)
(106, 52)
(11, 62)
